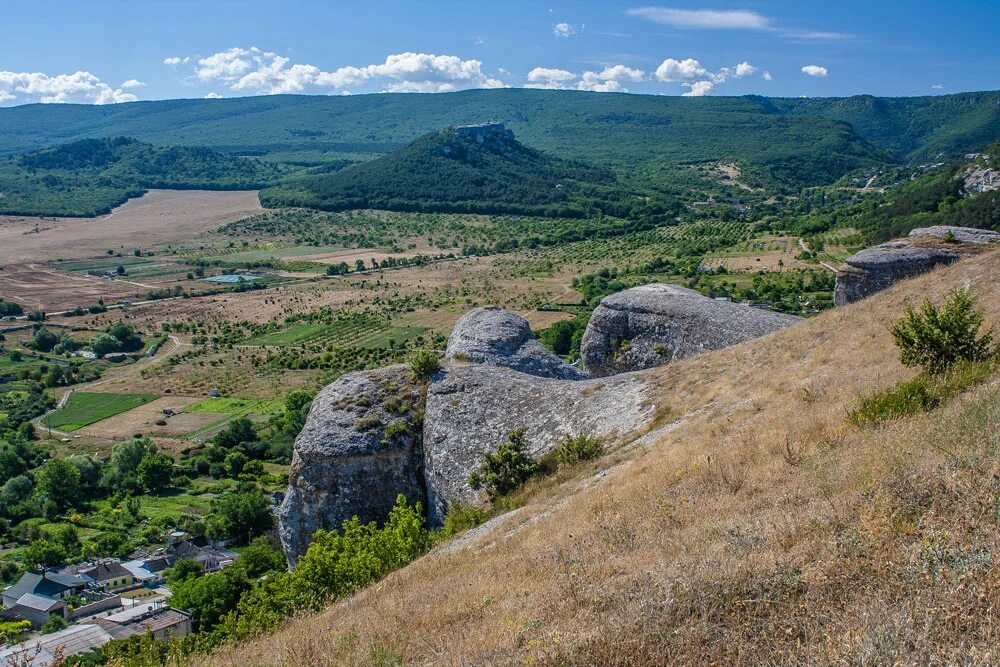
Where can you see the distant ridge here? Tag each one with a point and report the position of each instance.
(798, 141)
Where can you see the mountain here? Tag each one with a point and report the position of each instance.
(794, 141)
(91, 176)
(466, 169)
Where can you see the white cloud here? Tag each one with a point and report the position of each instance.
(680, 70)
(213, 96)
(132, 83)
(704, 18)
(700, 80)
(698, 89)
(177, 60)
(766, 76)
(563, 30)
(253, 70)
(608, 80)
(545, 77)
(77, 87)
(814, 70)
(938, 86)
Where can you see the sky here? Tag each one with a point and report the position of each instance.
(110, 51)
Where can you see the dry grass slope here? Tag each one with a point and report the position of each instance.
(760, 529)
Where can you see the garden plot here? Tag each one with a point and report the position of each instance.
(84, 408)
(143, 420)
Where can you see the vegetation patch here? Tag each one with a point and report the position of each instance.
(85, 408)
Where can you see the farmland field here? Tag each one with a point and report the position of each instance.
(236, 406)
(84, 408)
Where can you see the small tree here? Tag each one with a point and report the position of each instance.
(424, 365)
(579, 448)
(505, 470)
(936, 338)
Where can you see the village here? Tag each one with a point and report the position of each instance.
(71, 610)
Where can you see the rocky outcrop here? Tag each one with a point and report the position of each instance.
(472, 409)
(874, 269)
(497, 337)
(360, 447)
(656, 324)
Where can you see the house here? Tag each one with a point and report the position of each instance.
(160, 621)
(106, 574)
(149, 568)
(36, 609)
(46, 649)
(46, 584)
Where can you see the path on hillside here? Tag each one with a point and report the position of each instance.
(805, 248)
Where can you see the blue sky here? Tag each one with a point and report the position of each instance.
(105, 51)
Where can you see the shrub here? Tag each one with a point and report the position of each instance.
(579, 448)
(423, 365)
(936, 338)
(461, 518)
(506, 469)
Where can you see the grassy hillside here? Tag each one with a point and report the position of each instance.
(760, 528)
(782, 140)
(451, 172)
(91, 176)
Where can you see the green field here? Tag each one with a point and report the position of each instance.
(84, 408)
(395, 335)
(237, 406)
(347, 332)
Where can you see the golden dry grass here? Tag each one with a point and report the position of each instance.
(759, 529)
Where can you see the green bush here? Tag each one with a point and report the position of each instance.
(423, 365)
(579, 448)
(920, 394)
(505, 470)
(461, 518)
(936, 338)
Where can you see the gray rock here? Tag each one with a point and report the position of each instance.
(360, 447)
(656, 324)
(497, 337)
(472, 409)
(959, 234)
(874, 269)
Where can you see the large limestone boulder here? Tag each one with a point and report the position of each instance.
(656, 324)
(874, 269)
(472, 409)
(360, 447)
(496, 337)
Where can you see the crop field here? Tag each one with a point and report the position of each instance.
(84, 408)
(393, 336)
(349, 331)
(236, 406)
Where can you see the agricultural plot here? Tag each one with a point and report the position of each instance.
(84, 408)
(237, 406)
(345, 332)
(391, 337)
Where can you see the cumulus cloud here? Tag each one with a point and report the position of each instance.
(704, 18)
(256, 71)
(213, 96)
(563, 30)
(814, 70)
(608, 80)
(132, 83)
(77, 87)
(545, 77)
(176, 60)
(766, 76)
(699, 79)
(680, 70)
(698, 89)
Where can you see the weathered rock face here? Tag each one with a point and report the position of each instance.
(958, 234)
(874, 269)
(497, 337)
(472, 410)
(652, 325)
(360, 447)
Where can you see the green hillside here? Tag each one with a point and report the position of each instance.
(799, 141)
(479, 169)
(91, 176)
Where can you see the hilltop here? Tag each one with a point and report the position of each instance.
(467, 169)
(781, 141)
(759, 527)
(91, 176)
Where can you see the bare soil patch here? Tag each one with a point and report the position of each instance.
(160, 216)
(139, 420)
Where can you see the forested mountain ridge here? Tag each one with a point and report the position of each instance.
(807, 141)
(474, 169)
(91, 176)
